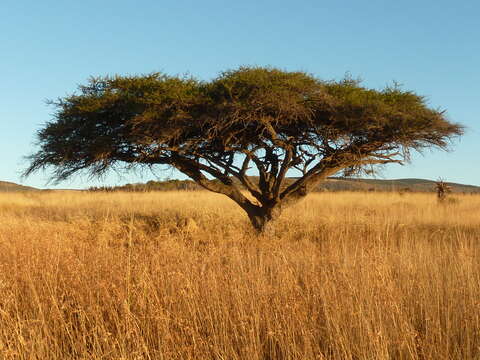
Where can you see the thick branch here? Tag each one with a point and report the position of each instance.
(327, 167)
(283, 171)
(240, 175)
(272, 159)
(194, 170)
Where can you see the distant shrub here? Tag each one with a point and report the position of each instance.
(442, 190)
(168, 185)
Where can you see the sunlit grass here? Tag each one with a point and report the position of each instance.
(343, 276)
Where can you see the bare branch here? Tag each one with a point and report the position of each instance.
(286, 164)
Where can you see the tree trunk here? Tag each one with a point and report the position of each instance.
(263, 217)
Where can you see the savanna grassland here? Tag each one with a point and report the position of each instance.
(180, 275)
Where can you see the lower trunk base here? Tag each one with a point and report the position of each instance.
(263, 218)
(263, 223)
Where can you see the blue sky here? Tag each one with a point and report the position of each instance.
(49, 47)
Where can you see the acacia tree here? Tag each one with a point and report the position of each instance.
(253, 120)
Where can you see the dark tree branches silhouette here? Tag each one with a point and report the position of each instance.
(252, 120)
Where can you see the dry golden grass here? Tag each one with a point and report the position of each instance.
(345, 276)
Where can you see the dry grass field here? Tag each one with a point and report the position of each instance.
(344, 276)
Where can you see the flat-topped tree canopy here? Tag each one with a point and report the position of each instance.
(254, 117)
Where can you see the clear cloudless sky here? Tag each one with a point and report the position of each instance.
(49, 47)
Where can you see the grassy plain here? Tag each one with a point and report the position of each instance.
(344, 276)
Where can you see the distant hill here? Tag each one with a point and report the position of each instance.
(6, 186)
(331, 184)
(404, 185)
